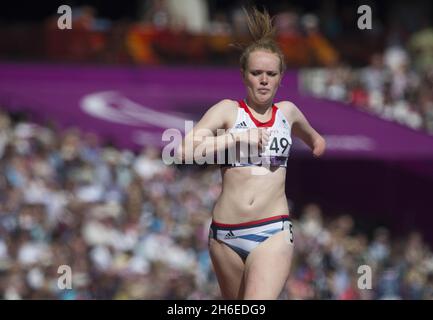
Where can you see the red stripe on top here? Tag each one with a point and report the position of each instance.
(244, 224)
(258, 123)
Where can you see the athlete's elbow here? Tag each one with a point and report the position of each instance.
(319, 147)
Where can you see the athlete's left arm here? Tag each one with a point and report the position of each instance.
(302, 129)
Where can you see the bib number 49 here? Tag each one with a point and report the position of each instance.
(276, 144)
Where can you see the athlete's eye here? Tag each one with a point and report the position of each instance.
(256, 73)
(271, 74)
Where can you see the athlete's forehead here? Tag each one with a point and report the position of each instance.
(264, 61)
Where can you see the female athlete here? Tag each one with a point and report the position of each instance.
(251, 236)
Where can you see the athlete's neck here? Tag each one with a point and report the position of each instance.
(260, 109)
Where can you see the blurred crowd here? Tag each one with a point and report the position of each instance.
(332, 256)
(130, 227)
(166, 34)
(397, 84)
(173, 32)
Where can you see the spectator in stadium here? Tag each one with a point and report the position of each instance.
(291, 39)
(421, 47)
(321, 51)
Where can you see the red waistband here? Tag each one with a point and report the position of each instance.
(249, 223)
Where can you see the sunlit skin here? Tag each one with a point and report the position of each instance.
(262, 79)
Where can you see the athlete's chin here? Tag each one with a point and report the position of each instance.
(264, 99)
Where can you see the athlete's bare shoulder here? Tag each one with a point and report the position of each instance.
(288, 108)
(220, 116)
(227, 105)
(227, 110)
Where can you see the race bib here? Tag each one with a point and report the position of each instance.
(279, 143)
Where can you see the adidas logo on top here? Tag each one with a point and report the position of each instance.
(230, 235)
(241, 125)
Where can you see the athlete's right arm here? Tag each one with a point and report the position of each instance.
(205, 138)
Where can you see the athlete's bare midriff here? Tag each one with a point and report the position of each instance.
(247, 195)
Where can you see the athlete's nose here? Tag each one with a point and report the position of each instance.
(264, 79)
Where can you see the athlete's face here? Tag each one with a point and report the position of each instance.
(262, 77)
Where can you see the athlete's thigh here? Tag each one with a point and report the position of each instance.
(229, 269)
(267, 267)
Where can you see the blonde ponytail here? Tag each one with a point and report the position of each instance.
(263, 34)
(260, 25)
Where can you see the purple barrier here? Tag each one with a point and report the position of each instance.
(133, 106)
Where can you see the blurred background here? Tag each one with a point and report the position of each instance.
(82, 112)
